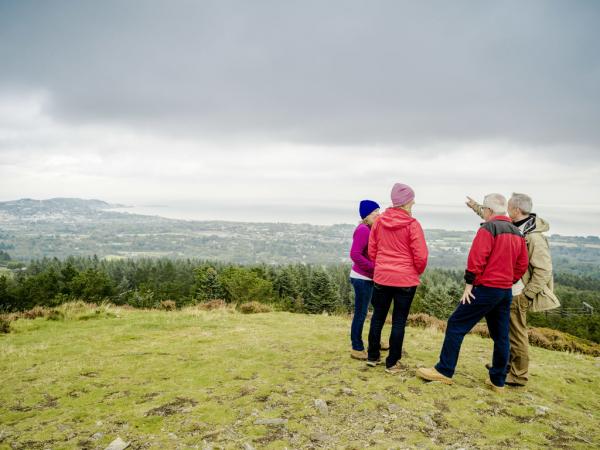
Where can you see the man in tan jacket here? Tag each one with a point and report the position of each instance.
(535, 291)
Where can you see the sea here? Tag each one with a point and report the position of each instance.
(572, 220)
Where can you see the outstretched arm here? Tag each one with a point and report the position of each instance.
(476, 207)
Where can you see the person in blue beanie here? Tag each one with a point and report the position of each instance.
(361, 275)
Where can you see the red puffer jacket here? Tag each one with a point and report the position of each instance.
(397, 246)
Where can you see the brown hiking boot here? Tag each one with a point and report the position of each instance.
(396, 368)
(358, 354)
(493, 387)
(431, 374)
(384, 346)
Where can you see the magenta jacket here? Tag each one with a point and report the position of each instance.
(359, 253)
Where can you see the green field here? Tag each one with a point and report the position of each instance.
(202, 379)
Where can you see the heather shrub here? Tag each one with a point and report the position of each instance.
(55, 314)
(5, 324)
(539, 337)
(212, 304)
(254, 308)
(35, 312)
(557, 340)
(168, 305)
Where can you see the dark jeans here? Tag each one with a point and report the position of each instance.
(363, 289)
(494, 305)
(382, 300)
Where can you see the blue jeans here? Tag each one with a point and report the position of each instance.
(494, 305)
(363, 289)
(383, 296)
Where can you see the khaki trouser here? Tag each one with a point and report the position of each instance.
(518, 366)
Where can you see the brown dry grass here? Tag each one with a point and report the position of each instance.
(212, 304)
(538, 337)
(254, 308)
(168, 305)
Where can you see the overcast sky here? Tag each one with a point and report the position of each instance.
(295, 108)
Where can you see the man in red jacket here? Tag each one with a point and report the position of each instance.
(498, 258)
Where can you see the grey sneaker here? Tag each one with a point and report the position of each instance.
(371, 363)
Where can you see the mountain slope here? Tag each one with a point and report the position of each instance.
(196, 378)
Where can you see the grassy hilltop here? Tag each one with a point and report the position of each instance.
(221, 379)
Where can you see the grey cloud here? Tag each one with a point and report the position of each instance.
(338, 72)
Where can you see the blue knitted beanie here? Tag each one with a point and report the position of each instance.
(367, 207)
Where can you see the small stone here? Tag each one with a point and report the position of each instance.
(321, 406)
(172, 436)
(392, 407)
(272, 422)
(347, 391)
(429, 421)
(117, 444)
(247, 446)
(541, 410)
(97, 436)
(207, 446)
(320, 437)
(378, 430)
(99, 423)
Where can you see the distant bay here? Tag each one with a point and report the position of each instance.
(566, 220)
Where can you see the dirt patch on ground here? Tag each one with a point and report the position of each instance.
(33, 445)
(48, 402)
(147, 397)
(20, 407)
(77, 393)
(116, 395)
(247, 390)
(262, 397)
(272, 435)
(441, 406)
(90, 374)
(177, 406)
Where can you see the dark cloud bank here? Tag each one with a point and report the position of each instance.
(338, 72)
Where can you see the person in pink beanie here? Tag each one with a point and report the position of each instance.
(397, 248)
